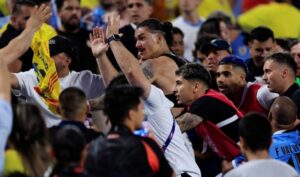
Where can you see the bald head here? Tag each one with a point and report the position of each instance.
(283, 113)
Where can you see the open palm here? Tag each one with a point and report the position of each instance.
(39, 16)
(98, 45)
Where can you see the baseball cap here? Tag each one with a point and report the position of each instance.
(216, 44)
(59, 44)
(234, 60)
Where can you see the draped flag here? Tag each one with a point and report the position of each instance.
(44, 66)
(219, 142)
(48, 84)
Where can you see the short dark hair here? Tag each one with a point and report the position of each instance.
(59, 3)
(285, 59)
(234, 61)
(68, 143)
(119, 100)
(156, 25)
(177, 30)
(193, 71)
(256, 130)
(120, 79)
(293, 42)
(17, 6)
(284, 43)
(261, 34)
(72, 100)
(221, 15)
(211, 26)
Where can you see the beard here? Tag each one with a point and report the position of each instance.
(69, 26)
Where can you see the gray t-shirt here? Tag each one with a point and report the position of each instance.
(263, 168)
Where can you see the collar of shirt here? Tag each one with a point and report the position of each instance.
(289, 92)
(133, 26)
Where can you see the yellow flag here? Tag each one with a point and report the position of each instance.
(48, 84)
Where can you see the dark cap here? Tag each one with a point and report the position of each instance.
(234, 60)
(59, 44)
(215, 45)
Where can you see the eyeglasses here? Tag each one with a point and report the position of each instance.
(138, 5)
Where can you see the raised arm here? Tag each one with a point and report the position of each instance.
(20, 44)
(127, 62)
(4, 82)
(99, 48)
(5, 110)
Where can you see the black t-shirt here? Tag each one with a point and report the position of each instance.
(293, 92)
(10, 34)
(89, 134)
(216, 111)
(86, 60)
(253, 70)
(124, 156)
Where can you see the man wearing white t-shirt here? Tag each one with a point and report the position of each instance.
(63, 53)
(189, 22)
(157, 106)
(255, 139)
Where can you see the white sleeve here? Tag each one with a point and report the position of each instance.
(156, 100)
(265, 97)
(27, 80)
(92, 84)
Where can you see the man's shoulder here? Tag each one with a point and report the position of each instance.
(264, 167)
(177, 21)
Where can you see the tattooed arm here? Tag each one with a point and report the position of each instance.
(188, 121)
(148, 70)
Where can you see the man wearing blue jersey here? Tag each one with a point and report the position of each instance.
(286, 139)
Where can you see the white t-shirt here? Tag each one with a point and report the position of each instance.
(158, 113)
(263, 168)
(91, 84)
(190, 32)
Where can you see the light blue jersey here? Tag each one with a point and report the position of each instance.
(286, 147)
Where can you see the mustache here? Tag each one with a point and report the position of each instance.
(74, 17)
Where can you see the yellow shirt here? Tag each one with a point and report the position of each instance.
(282, 18)
(12, 162)
(206, 7)
(3, 7)
(91, 4)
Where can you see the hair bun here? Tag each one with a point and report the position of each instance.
(167, 26)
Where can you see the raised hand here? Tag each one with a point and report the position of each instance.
(38, 17)
(113, 24)
(98, 45)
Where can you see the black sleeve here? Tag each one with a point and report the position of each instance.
(212, 109)
(164, 167)
(296, 99)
